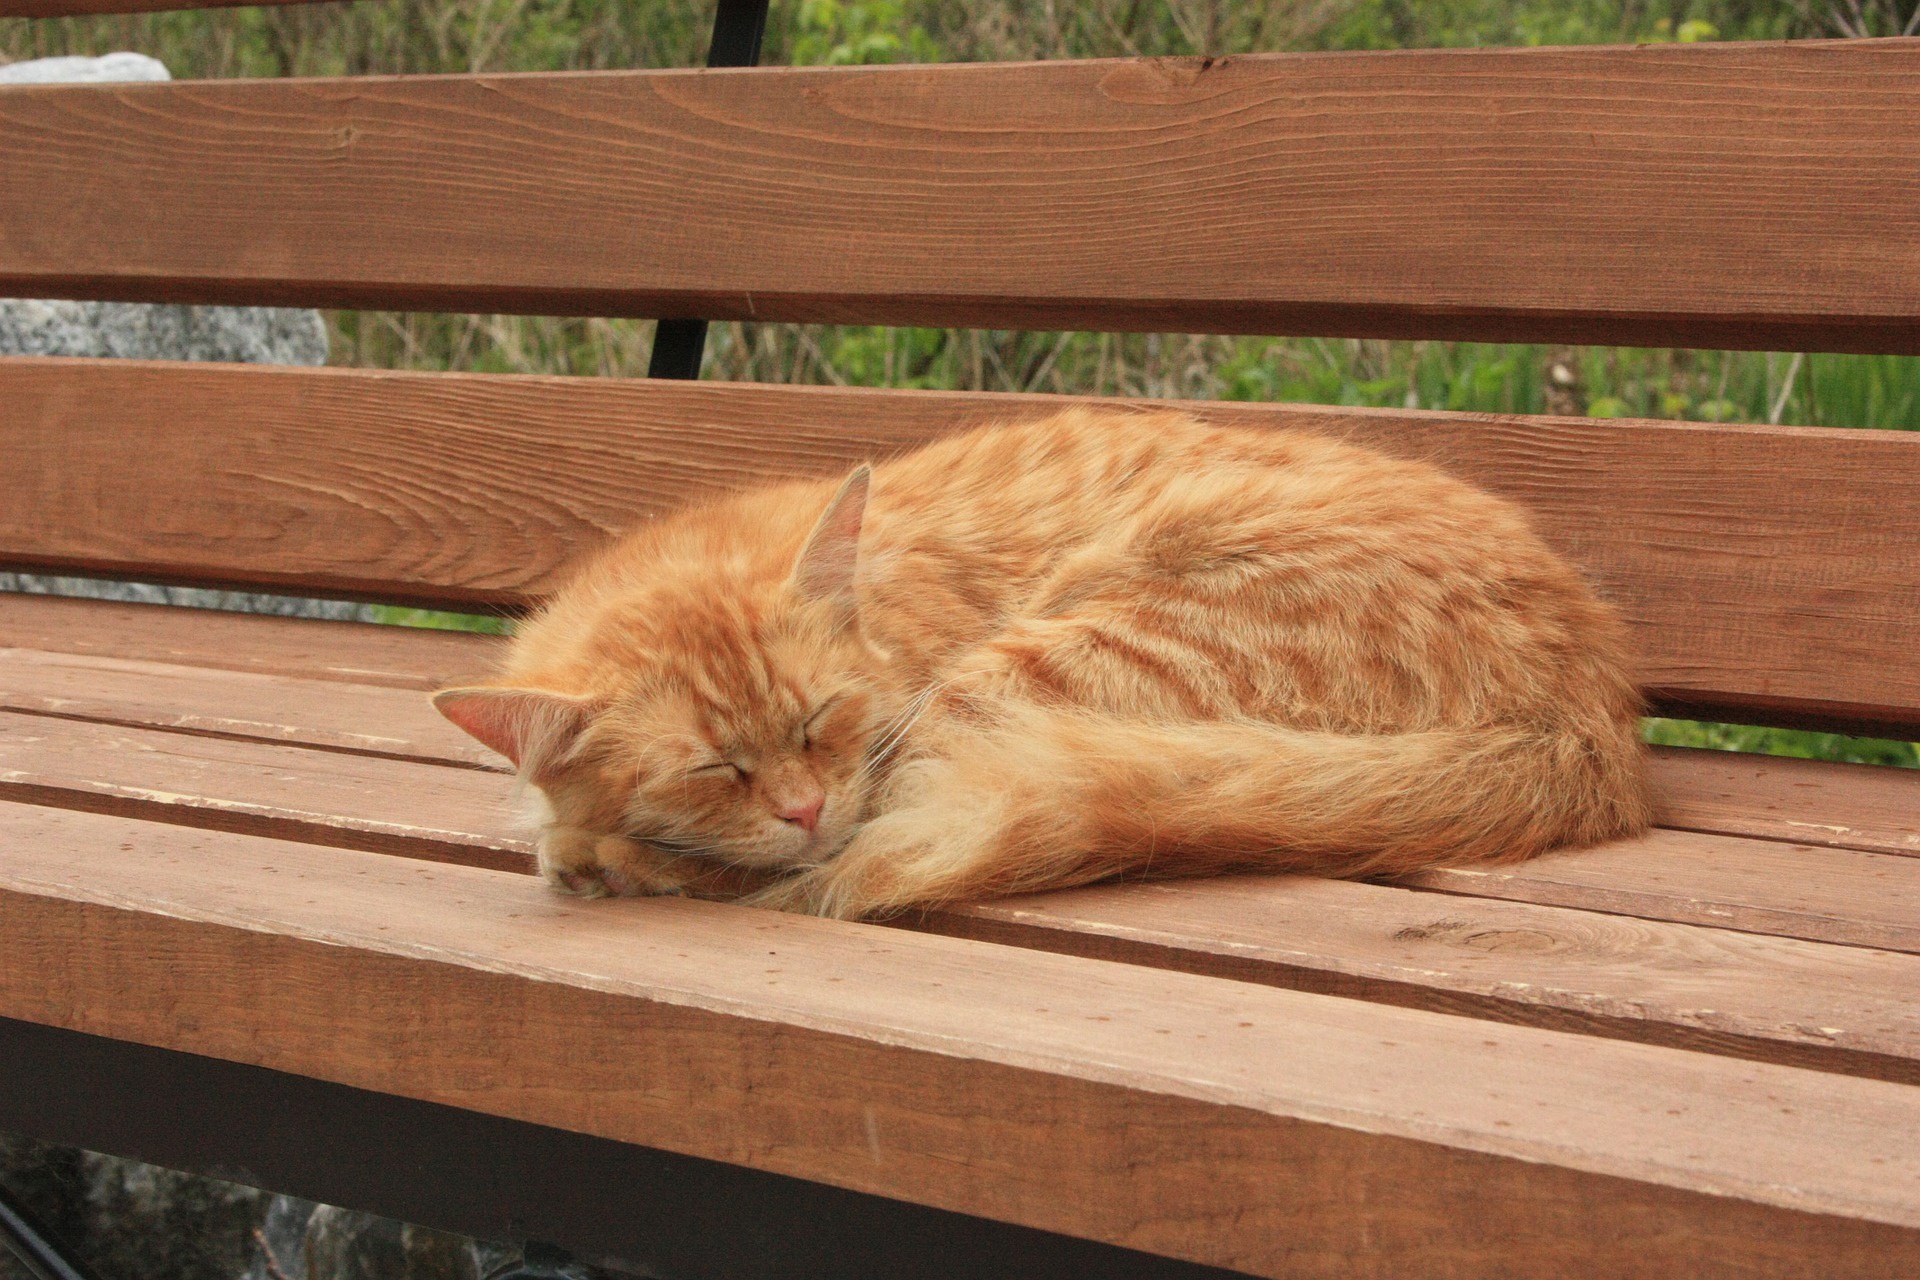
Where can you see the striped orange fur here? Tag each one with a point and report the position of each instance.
(1110, 643)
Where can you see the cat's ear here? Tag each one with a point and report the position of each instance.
(534, 728)
(825, 568)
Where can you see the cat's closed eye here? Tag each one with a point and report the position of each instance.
(810, 730)
(719, 769)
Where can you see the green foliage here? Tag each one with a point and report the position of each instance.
(436, 620)
(836, 33)
(1781, 742)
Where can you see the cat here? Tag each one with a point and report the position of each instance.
(1109, 643)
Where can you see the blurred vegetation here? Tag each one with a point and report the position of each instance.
(414, 36)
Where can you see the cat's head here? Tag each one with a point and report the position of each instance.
(710, 730)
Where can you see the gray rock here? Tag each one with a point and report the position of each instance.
(282, 1240)
(343, 1244)
(143, 331)
(146, 1221)
(109, 67)
(51, 1182)
(189, 597)
(128, 1219)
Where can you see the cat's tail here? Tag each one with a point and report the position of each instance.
(1044, 797)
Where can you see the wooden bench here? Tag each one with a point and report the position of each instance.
(263, 913)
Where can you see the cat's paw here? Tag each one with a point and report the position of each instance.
(596, 866)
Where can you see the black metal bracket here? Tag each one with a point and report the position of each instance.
(738, 27)
(44, 1256)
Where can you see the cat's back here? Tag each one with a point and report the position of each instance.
(1013, 499)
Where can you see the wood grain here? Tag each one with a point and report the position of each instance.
(323, 797)
(310, 648)
(1716, 990)
(1725, 195)
(56, 642)
(1767, 602)
(1759, 886)
(1262, 1129)
(367, 719)
(1848, 806)
(1838, 1008)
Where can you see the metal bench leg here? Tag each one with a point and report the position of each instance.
(737, 28)
(36, 1248)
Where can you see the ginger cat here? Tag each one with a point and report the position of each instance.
(1110, 643)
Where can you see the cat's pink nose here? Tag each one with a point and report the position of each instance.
(806, 813)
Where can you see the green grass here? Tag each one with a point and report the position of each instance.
(438, 620)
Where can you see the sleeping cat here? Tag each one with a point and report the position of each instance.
(1110, 643)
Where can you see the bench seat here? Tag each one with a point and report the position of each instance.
(259, 825)
(265, 915)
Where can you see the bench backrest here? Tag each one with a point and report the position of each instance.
(1740, 196)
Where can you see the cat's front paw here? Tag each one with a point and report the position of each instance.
(598, 866)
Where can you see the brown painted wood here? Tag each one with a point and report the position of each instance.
(367, 719)
(325, 797)
(1729, 793)
(143, 665)
(1759, 886)
(1776, 603)
(1246, 1126)
(1773, 999)
(1849, 806)
(1481, 194)
(313, 649)
(1716, 990)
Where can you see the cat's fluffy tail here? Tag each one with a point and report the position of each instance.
(1044, 797)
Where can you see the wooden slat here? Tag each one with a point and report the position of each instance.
(1761, 601)
(1760, 886)
(1763, 195)
(57, 643)
(1790, 890)
(326, 797)
(1853, 806)
(351, 652)
(1725, 792)
(1226, 1122)
(1838, 1007)
(1770, 999)
(367, 719)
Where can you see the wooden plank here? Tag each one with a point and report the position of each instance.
(1796, 890)
(1837, 1008)
(1747, 195)
(1760, 886)
(313, 649)
(325, 797)
(1849, 806)
(367, 719)
(1764, 602)
(1841, 1008)
(1770, 999)
(491, 1178)
(56, 642)
(1224, 1122)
